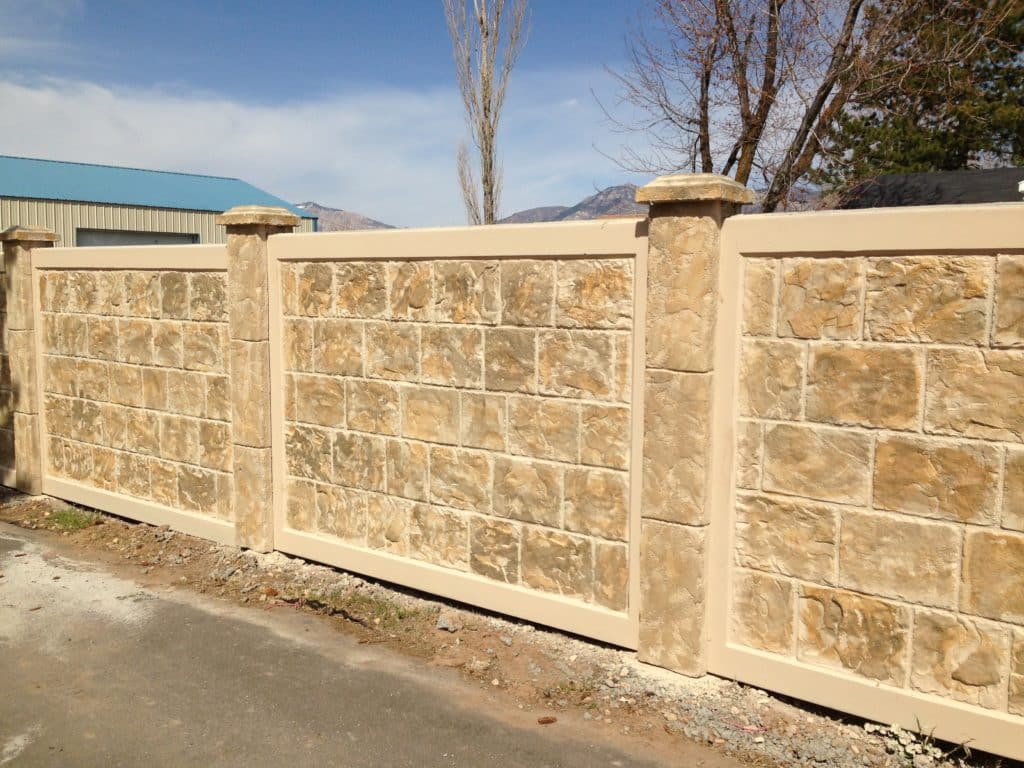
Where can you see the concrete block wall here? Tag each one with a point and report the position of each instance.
(880, 470)
(136, 388)
(472, 414)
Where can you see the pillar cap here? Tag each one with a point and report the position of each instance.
(694, 187)
(254, 215)
(29, 235)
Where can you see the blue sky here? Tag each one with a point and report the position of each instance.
(351, 104)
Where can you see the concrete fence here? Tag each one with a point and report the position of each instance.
(785, 449)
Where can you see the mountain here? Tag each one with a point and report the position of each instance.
(611, 201)
(337, 220)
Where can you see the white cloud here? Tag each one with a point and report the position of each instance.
(387, 153)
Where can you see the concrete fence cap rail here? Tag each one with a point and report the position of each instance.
(693, 187)
(255, 215)
(29, 235)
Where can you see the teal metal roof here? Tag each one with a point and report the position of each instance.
(27, 177)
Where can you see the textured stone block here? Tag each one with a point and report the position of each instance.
(682, 282)
(557, 562)
(163, 480)
(126, 385)
(28, 476)
(748, 454)
(182, 389)
(320, 400)
(373, 407)
(605, 436)
(595, 293)
(623, 388)
(576, 364)
(597, 503)
(993, 578)
(430, 414)
(338, 347)
(218, 397)
(460, 479)
(115, 424)
(528, 490)
(360, 289)
(611, 575)
(672, 595)
(298, 345)
(314, 289)
(308, 452)
(215, 445)
(135, 341)
(1013, 490)
(174, 298)
(1008, 328)
(80, 292)
(527, 292)
(168, 347)
(142, 294)
(788, 536)
(820, 298)
(208, 296)
(250, 392)
(960, 658)
(205, 346)
(359, 461)
(132, 474)
(109, 296)
(763, 610)
(911, 560)
(1017, 674)
(179, 438)
(494, 549)
(932, 478)
(544, 428)
(393, 351)
(771, 379)
(341, 512)
(142, 433)
(452, 356)
(975, 393)
(23, 371)
(928, 298)
(826, 464)
(510, 360)
(300, 505)
(61, 375)
(484, 421)
(858, 634)
(677, 408)
(407, 469)
(73, 336)
(871, 386)
(412, 294)
(197, 490)
(760, 292)
(387, 520)
(102, 341)
(467, 292)
(93, 379)
(439, 536)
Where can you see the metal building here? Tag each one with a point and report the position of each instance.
(107, 205)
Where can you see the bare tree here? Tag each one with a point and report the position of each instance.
(487, 39)
(745, 87)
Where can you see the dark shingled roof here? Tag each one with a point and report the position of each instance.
(998, 185)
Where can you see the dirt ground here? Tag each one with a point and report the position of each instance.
(526, 667)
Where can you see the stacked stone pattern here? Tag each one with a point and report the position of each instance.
(6, 394)
(472, 414)
(137, 395)
(880, 513)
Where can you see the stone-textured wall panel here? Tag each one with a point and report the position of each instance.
(1008, 328)
(471, 414)
(898, 528)
(928, 298)
(137, 389)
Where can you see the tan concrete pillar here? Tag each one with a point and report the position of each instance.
(248, 228)
(686, 216)
(18, 243)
